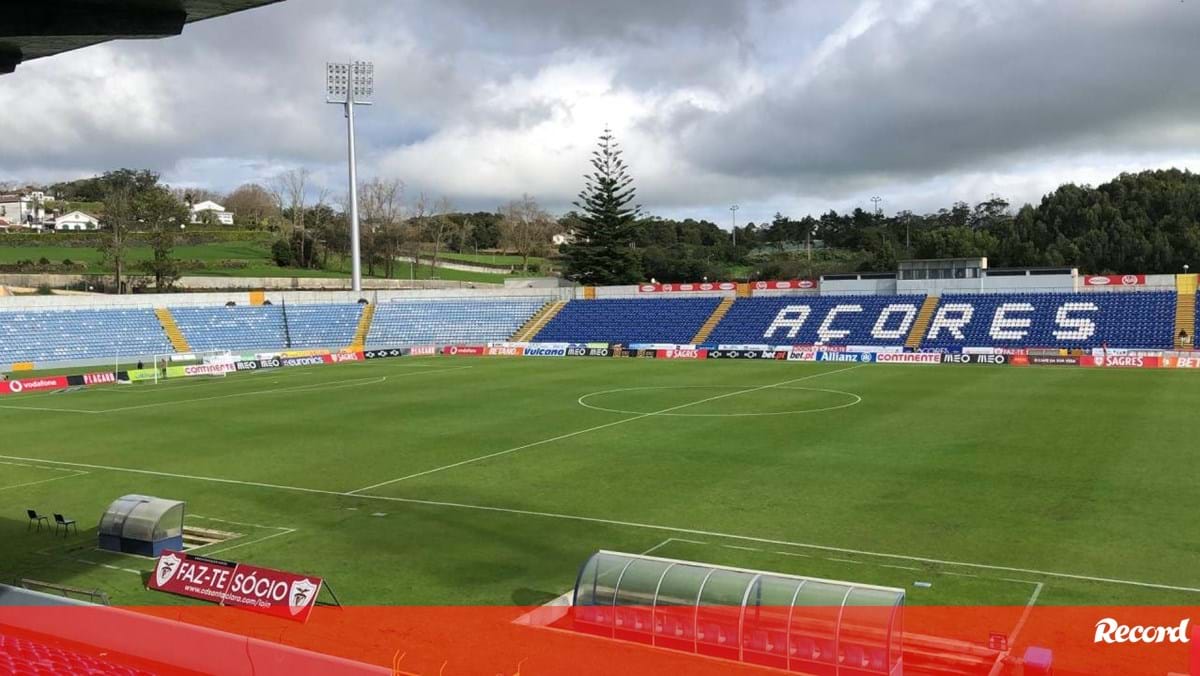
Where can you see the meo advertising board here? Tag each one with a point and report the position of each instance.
(590, 350)
(966, 358)
(263, 590)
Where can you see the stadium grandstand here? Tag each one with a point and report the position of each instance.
(770, 602)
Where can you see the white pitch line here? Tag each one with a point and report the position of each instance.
(658, 546)
(696, 532)
(1037, 591)
(288, 531)
(50, 469)
(43, 481)
(597, 428)
(238, 523)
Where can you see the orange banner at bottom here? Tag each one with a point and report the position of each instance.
(461, 640)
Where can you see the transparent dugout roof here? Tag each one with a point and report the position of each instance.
(792, 622)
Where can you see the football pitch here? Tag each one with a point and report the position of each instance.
(488, 481)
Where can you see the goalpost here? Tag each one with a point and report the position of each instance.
(210, 363)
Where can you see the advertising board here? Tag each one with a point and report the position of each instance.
(263, 590)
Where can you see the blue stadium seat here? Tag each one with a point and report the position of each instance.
(263, 327)
(808, 320)
(256, 327)
(629, 320)
(331, 326)
(1054, 320)
(448, 321)
(66, 335)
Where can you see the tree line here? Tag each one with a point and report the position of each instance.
(1138, 222)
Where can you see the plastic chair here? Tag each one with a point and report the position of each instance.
(34, 517)
(66, 524)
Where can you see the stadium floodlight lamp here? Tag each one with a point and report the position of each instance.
(349, 85)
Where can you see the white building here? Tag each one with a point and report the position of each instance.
(218, 212)
(26, 210)
(76, 220)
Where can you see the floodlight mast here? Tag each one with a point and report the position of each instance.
(351, 84)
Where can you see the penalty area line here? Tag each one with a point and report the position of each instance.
(597, 428)
(695, 532)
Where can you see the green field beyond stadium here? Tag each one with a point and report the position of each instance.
(489, 481)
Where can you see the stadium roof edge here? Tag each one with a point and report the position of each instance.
(34, 29)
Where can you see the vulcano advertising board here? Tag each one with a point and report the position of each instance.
(263, 590)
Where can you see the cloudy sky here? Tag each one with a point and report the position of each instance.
(792, 106)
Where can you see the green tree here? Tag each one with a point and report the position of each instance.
(160, 214)
(602, 252)
(118, 217)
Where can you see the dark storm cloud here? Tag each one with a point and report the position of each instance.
(773, 104)
(965, 85)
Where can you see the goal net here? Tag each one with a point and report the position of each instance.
(210, 363)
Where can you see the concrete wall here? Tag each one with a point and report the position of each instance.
(150, 300)
(202, 283)
(869, 287)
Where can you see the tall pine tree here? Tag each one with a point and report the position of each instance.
(602, 252)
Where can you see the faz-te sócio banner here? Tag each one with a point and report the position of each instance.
(263, 590)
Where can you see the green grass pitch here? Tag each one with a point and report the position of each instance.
(489, 481)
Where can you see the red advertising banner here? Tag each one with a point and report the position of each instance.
(423, 350)
(1114, 280)
(464, 350)
(263, 590)
(342, 357)
(1122, 361)
(908, 358)
(682, 354)
(785, 285)
(692, 286)
(1181, 362)
(106, 378)
(33, 385)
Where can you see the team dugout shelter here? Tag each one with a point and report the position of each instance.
(800, 624)
(143, 525)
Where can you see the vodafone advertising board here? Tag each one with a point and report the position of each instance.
(464, 350)
(263, 590)
(1114, 280)
(33, 385)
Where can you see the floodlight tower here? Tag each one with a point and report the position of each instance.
(351, 84)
